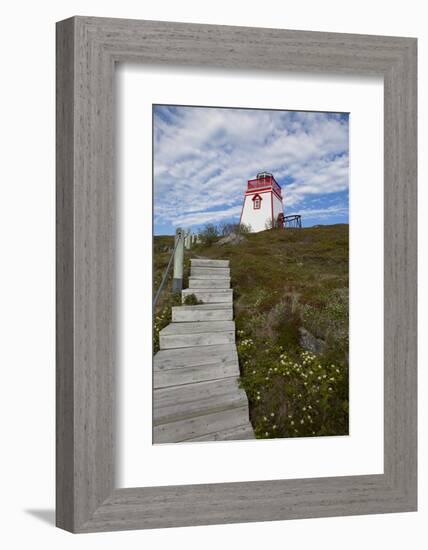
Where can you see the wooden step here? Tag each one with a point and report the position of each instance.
(175, 412)
(236, 433)
(198, 392)
(164, 378)
(189, 428)
(212, 296)
(190, 400)
(210, 272)
(195, 356)
(194, 282)
(202, 262)
(208, 333)
(196, 395)
(203, 312)
(173, 367)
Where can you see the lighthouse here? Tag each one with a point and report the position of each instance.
(262, 207)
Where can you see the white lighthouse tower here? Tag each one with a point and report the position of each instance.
(262, 208)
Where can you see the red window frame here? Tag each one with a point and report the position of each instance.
(257, 202)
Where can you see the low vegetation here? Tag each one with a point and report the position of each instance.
(291, 312)
(163, 247)
(191, 300)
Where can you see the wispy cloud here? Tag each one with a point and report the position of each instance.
(325, 213)
(203, 158)
(199, 218)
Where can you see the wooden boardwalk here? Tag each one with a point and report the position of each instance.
(196, 394)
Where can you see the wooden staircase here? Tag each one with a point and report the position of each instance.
(196, 394)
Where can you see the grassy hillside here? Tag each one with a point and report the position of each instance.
(291, 312)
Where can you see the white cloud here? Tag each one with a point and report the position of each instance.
(322, 213)
(201, 218)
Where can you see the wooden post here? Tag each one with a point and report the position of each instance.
(188, 241)
(177, 281)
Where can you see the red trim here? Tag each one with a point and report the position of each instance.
(268, 190)
(279, 196)
(262, 190)
(271, 205)
(259, 198)
(242, 209)
(249, 193)
(259, 182)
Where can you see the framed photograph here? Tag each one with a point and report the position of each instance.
(236, 274)
(211, 377)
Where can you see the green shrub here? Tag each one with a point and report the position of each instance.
(225, 229)
(191, 300)
(209, 234)
(293, 396)
(329, 320)
(163, 316)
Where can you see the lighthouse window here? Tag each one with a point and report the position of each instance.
(257, 202)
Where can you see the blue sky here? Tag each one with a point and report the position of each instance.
(204, 156)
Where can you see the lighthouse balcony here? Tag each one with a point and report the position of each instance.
(263, 182)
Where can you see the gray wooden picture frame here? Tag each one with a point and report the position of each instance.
(87, 50)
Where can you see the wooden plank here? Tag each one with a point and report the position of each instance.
(241, 433)
(65, 280)
(175, 411)
(198, 327)
(206, 306)
(210, 296)
(187, 314)
(194, 356)
(163, 378)
(190, 428)
(202, 262)
(210, 272)
(196, 392)
(170, 341)
(195, 282)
